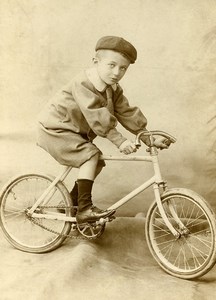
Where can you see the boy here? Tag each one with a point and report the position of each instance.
(89, 106)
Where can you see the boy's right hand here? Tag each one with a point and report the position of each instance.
(127, 147)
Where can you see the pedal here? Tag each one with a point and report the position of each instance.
(103, 221)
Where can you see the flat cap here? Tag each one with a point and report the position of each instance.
(118, 44)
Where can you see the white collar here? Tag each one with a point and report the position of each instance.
(95, 79)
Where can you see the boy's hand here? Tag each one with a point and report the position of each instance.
(161, 143)
(127, 147)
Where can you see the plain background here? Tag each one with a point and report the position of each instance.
(45, 43)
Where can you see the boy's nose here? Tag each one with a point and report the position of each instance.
(116, 71)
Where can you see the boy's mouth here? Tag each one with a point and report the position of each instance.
(114, 80)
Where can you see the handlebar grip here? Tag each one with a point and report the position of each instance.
(167, 142)
(168, 138)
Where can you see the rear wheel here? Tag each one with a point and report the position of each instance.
(193, 254)
(33, 234)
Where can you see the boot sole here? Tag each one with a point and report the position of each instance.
(93, 219)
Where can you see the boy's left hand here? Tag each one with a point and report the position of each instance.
(161, 143)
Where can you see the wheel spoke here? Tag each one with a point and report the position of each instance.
(24, 234)
(193, 253)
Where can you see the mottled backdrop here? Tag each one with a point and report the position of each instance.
(44, 43)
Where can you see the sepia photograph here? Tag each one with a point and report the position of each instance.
(108, 149)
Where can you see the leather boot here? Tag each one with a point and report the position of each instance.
(87, 212)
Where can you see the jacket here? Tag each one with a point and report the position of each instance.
(81, 107)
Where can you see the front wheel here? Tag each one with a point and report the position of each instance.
(193, 253)
(33, 234)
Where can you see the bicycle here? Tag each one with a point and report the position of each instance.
(180, 225)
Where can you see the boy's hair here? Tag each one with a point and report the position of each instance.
(117, 44)
(99, 53)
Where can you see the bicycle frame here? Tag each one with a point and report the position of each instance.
(179, 228)
(155, 180)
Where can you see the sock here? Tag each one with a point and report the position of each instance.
(84, 193)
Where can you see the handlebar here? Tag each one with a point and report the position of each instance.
(169, 138)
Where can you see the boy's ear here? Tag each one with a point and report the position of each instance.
(95, 60)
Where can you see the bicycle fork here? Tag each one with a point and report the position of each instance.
(175, 233)
(156, 187)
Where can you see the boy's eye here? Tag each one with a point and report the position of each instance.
(112, 65)
(123, 68)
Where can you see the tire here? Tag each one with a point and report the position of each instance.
(19, 229)
(193, 254)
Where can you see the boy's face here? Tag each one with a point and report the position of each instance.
(111, 66)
